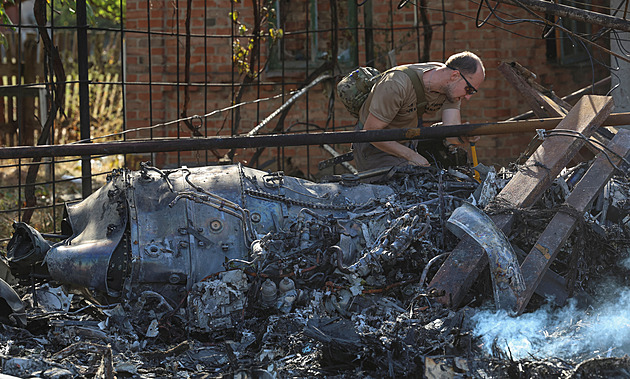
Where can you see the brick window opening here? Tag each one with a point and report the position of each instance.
(309, 34)
(563, 47)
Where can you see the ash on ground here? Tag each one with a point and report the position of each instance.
(335, 287)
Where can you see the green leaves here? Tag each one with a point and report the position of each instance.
(241, 51)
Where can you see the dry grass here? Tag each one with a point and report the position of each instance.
(59, 182)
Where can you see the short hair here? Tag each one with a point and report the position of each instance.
(466, 62)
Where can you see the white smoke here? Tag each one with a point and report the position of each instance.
(567, 333)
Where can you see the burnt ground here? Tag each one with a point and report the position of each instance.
(392, 328)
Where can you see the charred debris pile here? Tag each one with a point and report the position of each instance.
(228, 271)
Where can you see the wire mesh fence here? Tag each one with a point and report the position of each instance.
(184, 69)
(129, 70)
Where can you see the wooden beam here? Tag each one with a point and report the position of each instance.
(601, 86)
(541, 105)
(562, 224)
(465, 263)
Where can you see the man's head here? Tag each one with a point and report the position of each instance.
(467, 75)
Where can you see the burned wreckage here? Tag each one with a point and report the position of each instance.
(233, 271)
(196, 235)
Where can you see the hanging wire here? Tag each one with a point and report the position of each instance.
(548, 27)
(599, 146)
(190, 118)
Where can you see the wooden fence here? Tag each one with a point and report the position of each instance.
(21, 114)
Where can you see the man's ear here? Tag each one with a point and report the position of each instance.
(454, 76)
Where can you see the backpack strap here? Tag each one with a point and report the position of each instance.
(421, 100)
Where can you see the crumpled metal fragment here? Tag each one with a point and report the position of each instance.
(507, 279)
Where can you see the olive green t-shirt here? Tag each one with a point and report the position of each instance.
(393, 98)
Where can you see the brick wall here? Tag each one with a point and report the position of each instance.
(159, 58)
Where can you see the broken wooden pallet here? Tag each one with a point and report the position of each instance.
(563, 223)
(467, 260)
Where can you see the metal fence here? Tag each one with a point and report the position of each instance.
(167, 80)
(182, 70)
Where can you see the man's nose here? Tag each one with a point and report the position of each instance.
(467, 97)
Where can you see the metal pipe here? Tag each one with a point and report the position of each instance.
(293, 98)
(565, 11)
(301, 139)
(84, 94)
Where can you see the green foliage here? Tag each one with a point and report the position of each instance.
(101, 13)
(4, 18)
(242, 47)
(3, 14)
(109, 9)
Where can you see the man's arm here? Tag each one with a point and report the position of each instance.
(451, 116)
(454, 117)
(393, 147)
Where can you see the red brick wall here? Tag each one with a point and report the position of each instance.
(211, 66)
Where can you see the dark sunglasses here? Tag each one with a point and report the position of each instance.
(470, 89)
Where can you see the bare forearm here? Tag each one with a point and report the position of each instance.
(392, 147)
(396, 149)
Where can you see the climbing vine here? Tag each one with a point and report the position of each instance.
(265, 28)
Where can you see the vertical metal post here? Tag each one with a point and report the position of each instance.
(84, 94)
(369, 33)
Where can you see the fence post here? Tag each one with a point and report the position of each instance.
(84, 94)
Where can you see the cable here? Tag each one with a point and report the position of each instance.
(542, 134)
(190, 118)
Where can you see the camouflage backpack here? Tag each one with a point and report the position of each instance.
(354, 88)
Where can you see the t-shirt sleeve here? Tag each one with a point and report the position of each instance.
(387, 100)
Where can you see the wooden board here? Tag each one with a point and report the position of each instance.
(541, 105)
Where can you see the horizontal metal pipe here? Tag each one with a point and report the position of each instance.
(302, 139)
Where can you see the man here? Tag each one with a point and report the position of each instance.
(392, 104)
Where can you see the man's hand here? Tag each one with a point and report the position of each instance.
(393, 147)
(462, 141)
(419, 160)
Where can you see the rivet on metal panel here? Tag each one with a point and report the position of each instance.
(152, 250)
(174, 279)
(225, 247)
(216, 226)
(256, 217)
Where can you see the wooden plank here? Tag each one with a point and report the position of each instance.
(542, 106)
(522, 86)
(97, 90)
(465, 263)
(562, 225)
(106, 95)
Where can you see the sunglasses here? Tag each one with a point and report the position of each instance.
(470, 89)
